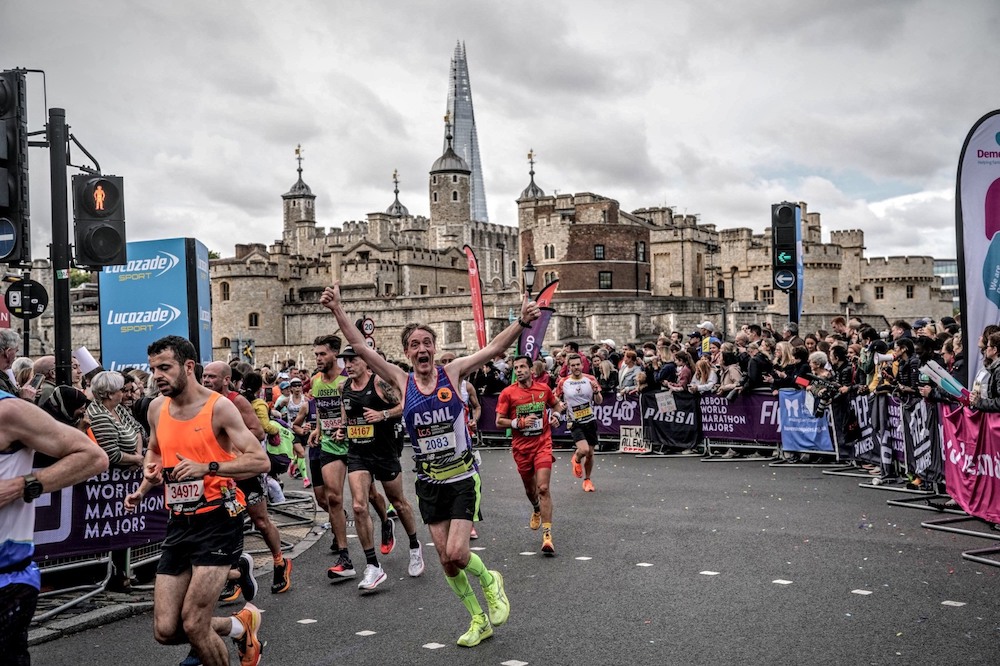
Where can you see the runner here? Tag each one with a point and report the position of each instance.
(581, 392)
(369, 409)
(199, 446)
(447, 485)
(216, 377)
(530, 409)
(327, 386)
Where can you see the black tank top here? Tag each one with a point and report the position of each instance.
(362, 436)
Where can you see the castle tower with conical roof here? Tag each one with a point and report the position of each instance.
(299, 212)
(465, 141)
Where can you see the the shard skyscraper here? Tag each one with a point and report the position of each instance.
(463, 120)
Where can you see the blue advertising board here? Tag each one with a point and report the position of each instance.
(162, 290)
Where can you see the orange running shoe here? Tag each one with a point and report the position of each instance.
(536, 520)
(547, 547)
(577, 467)
(248, 645)
(588, 486)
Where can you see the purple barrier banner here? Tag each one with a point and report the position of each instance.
(611, 415)
(88, 518)
(752, 417)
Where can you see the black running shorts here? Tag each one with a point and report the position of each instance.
(210, 539)
(252, 489)
(449, 501)
(381, 468)
(585, 432)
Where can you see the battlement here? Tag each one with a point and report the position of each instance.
(848, 238)
(882, 269)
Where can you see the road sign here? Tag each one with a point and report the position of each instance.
(368, 326)
(8, 237)
(370, 342)
(26, 299)
(784, 280)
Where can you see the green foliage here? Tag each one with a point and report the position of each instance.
(78, 276)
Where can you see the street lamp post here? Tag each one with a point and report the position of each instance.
(529, 276)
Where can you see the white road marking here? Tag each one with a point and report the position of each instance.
(526, 553)
(513, 662)
(956, 604)
(862, 592)
(779, 581)
(366, 632)
(308, 621)
(433, 646)
(583, 558)
(643, 564)
(709, 573)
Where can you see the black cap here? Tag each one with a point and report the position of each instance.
(347, 352)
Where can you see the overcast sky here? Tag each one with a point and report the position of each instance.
(858, 108)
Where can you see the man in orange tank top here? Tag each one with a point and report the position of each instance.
(198, 446)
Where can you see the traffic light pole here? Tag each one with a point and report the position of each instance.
(59, 250)
(793, 305)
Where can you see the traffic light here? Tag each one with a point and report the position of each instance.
(784, 245)
(15, 230)
(98, 220)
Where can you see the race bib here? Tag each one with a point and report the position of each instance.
(363, 431)
(582, 412)
(438, 444)
(331, 424)
(181, 494)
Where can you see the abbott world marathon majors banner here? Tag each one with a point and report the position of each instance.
(163, 290)
(89, 518)
(977, 223)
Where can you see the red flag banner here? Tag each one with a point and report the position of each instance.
(476, 287)
(972, 461)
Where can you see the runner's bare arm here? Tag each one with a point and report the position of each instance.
(462, 367)
(475, 409)
(381, 367)
(79, 458)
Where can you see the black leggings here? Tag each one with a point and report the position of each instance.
(17, 607)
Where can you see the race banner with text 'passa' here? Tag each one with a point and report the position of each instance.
(677, 428)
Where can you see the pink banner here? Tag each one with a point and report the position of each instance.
(4, 314)
(476, 287)
(972, 461)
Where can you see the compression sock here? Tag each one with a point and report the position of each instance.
(370, 557)
(536, 507)
(547, 528)
(460, 586)
(303, 467)
(478, 569)
(413, 541)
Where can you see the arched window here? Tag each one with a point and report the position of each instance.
(224, 291)
(254, 320)
(513, 269)
(454, 195)
(434, 197)
(224, 343)
(721, 287)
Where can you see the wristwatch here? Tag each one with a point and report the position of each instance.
(32, 488)
(385, 414)
(213, 468)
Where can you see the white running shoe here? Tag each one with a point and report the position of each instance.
(374, 576)
(416, 562)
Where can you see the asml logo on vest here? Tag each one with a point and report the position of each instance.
(143, 320)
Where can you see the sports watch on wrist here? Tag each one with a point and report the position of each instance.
(213, 468)
(32, 488)
(385, 414)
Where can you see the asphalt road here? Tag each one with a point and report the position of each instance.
(629, 582)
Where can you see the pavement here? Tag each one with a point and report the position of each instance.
(672, 560)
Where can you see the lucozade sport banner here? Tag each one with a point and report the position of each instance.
(977, 223)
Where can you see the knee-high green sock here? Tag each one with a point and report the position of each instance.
(303, 467)
(460, 586)
(478, 569)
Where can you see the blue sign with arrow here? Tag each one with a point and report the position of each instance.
(8, 237)
(784, 280)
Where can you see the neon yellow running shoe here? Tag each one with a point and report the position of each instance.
(479, 629)
(497, 604)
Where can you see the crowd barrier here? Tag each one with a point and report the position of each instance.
(945, 445)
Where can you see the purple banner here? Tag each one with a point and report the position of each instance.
(752, 417)
(530, 342)
(88, 518)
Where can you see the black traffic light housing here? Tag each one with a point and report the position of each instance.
(783, 236)
(15, 228)
(98, 220)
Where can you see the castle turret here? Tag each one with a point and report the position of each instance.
(449, 189)
(299, 212)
